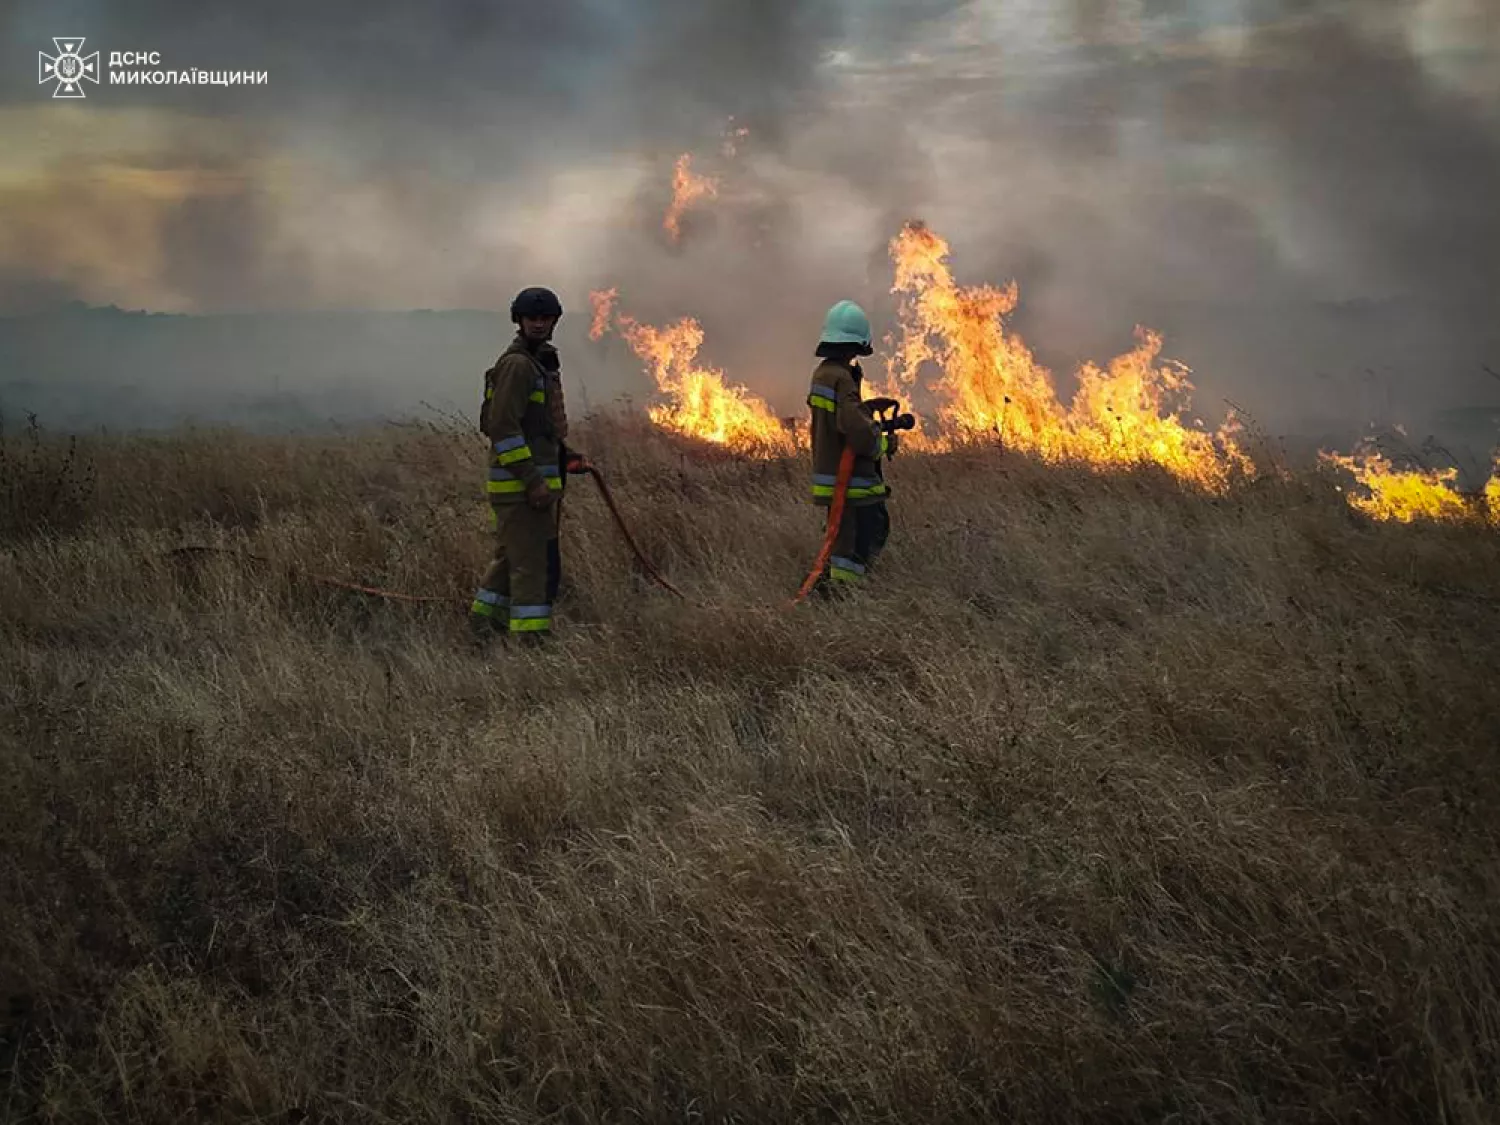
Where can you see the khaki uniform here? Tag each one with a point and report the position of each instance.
(839, 420)
(520, 419)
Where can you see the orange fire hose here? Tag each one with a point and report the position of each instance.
(835, 517)
(317, 579)
(586, 466)
(583, 465)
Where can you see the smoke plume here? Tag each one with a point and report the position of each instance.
(1299, 195)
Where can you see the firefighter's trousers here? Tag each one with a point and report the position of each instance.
(861, 537)
(519, 587)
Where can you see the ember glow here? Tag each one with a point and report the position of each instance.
(687, 188)
(700, 403)
(988, 386)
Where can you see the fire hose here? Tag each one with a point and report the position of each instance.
(835, 517)
(316, 579)
(577, 464)
(580, 464)
(878, 408)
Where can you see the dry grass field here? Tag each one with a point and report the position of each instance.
(1107, 802)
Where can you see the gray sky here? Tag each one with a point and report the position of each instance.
(1299, 194)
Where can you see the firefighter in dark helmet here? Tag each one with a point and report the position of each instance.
(840, 419)
(523, 419)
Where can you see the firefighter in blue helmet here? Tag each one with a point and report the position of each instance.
(840, 419)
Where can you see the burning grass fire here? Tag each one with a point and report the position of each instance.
(700, 403)
(989, 386)
(1409, 495)
(980, 383)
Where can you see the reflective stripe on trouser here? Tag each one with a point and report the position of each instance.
(530, 618)
(861, 538)
(487, 603)
(842, 569)
(515, 587)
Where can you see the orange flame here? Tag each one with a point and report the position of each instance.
(989, 385)
(700, 403)
(687, 188)
(1404, 495)
(603, 301)
(1125, 415)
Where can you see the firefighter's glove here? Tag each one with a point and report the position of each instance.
(538, 495)
(575, 464)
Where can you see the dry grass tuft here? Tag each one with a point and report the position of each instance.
(1108, 802)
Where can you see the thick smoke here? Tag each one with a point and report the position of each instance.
(1299, 194)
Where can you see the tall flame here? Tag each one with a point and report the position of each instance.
(988, 384)
(603, 301)
(687, 188)
(700, 403)
(1125, 415)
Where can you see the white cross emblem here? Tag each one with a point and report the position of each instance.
(68, 69)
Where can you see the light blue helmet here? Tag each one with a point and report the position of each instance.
(846, 323)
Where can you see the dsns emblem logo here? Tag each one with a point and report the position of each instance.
(68, 69)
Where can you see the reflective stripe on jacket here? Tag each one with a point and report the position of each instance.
(519, 420)
(837, 420)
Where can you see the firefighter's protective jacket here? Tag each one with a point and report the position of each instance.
(551, 363)
(838, 419)
(520, 419)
